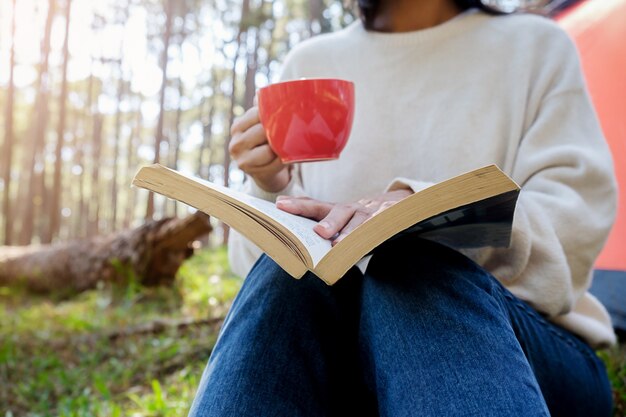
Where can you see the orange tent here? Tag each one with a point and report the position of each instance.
(599, 29)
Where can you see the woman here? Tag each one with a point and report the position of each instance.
(442, 87)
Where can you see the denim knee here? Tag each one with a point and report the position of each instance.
(433, 321)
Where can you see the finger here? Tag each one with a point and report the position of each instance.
(256, 158)
(245, 121)
(269, 169)
(336, 220)
(244, 141)
(358, 219)
(290, 197)
(313, 209)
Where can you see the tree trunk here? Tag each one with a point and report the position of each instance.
(34, 156)
(88, 122)
(151, 254)
(317, 22)
(133, 139)
(169, 11)
(251, 70)
(204, 171)
(243, 28)
(122, 87)
(205, 148)
(57, 187)
(116, 147)
(176, 138)
(79, 211)
(94, 218)
(7, 152)
(77, 191)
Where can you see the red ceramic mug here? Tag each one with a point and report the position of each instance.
(307, 119)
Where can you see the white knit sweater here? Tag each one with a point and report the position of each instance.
(473, 91)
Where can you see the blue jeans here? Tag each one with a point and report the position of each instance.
(610, 288)
(424, 332)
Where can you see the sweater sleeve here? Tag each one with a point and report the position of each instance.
(567, 203)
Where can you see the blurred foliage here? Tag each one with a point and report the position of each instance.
(93, 355)
(615, 360)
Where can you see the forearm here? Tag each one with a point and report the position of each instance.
(293, 187)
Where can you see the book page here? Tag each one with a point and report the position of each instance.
(302, 227)
(299, 226)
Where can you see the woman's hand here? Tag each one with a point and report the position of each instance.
(249, 148)
(336, 221)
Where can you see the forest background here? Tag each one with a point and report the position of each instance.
(92, 90)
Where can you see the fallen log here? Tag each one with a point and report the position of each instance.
(151, 254)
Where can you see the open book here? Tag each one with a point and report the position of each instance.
(470, 210)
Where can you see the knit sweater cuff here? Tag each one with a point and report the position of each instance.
(293, 188)
(408, 184)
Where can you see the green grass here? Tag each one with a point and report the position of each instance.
(615, 360)
(90, 356)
